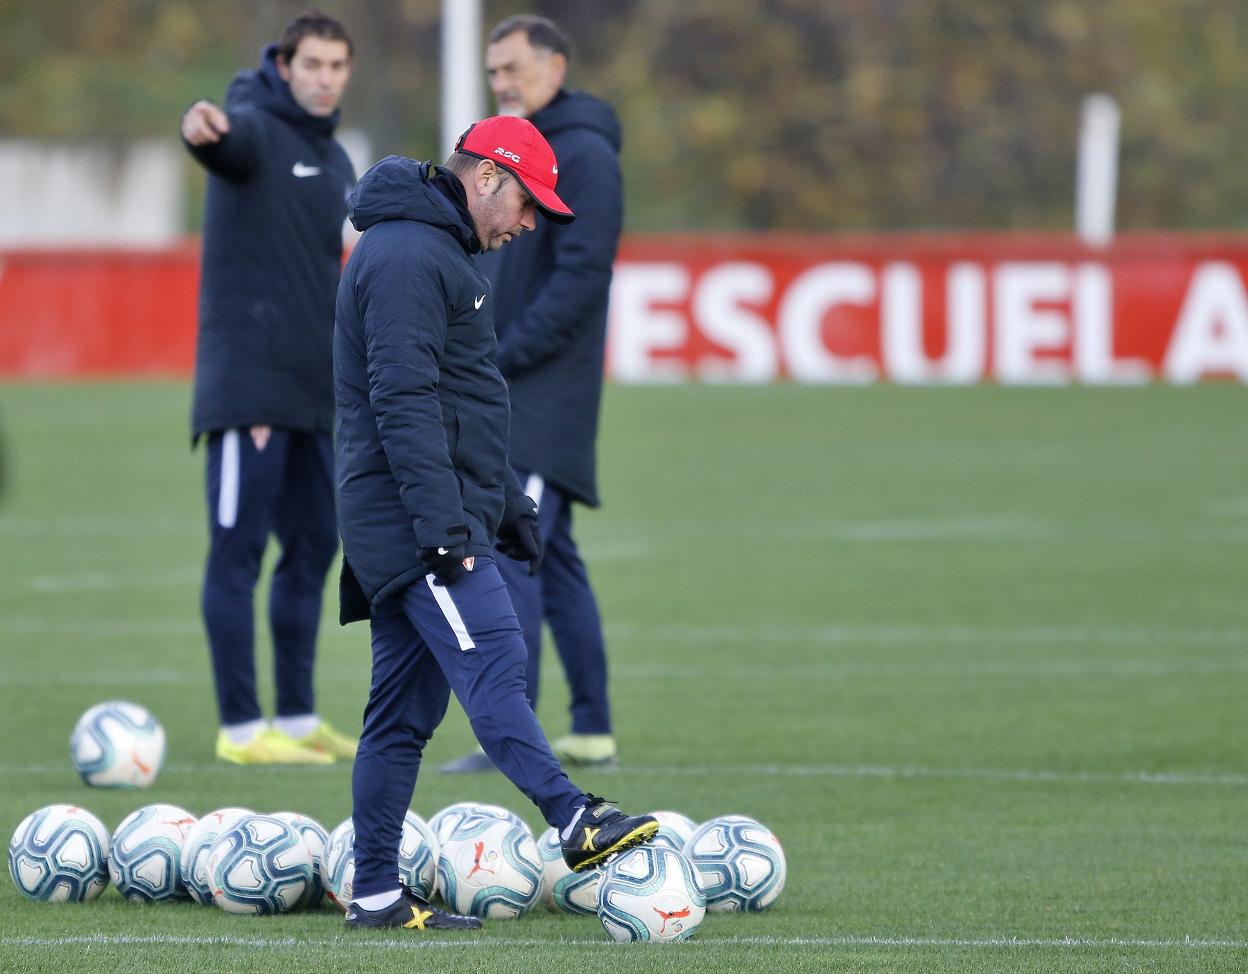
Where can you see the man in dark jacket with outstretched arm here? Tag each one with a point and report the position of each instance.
(550, 294)
(277, 185)
(426, 496)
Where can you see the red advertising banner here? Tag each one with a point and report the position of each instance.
(927, 308)
(1016, 309)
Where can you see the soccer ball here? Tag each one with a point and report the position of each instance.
(675, 830)
(562, 889)
(418, 859)
(117, 745)
(144, 860)
(444, 822)
(195, 850)
(260, 864)
(489, 867)
(650, 893)
(418, 855)
(315, 838)
(338, 848)
(740, 863)
(59, 854)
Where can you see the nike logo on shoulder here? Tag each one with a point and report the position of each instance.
(479, 301)
(301, 171)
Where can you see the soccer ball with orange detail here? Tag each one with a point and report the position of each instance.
(650, 894)
(117, 744)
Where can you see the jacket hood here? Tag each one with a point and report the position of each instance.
(397, 188)
(262, 87)
(578, 109)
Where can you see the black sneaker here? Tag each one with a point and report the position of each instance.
(602, 831)
(410, 911)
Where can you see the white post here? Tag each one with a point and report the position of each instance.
(461, 69)
(1096, 178)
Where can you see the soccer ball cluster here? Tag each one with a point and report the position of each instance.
(491, 866)
(660, 892)
(481, 859)
(232, 857)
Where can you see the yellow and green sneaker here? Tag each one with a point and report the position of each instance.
(326, 740)
(586, 750)
(269, 747)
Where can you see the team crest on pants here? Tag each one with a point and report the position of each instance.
(470, 562)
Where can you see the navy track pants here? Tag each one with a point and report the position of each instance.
(287, 490)
(427, 641)
(561, 595)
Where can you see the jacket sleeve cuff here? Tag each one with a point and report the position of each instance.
(447, 538)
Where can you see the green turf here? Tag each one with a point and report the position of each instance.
(975, 655)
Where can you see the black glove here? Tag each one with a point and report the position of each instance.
(445, 564)
(352, 602)
(520, 539)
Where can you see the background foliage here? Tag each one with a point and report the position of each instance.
(775, 114)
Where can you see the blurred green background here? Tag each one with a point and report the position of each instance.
(779, 114)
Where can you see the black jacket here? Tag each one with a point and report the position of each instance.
(551, 288)
(422, 415)
(272, 251)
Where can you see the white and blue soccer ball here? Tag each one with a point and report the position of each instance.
(338, 848)
(314, 837)
(145, 855)
(739, 861)
(117, 744)
(444, 822)
(59, 854)
(489, 867)
(418, 859)
(418, 855)
(260, 864)
(650, 894)
(564, 891)
(195, 850)
(675, 830)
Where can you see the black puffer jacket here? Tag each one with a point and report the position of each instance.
(276, 199)
(551, 288)
(422, 413)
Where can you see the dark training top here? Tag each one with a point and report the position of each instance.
(422, 414)
(272, 252)
(551, 288)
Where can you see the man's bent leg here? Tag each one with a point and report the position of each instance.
(526, 598)
(471, 628)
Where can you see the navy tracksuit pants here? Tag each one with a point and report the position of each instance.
(429, 640)
(286, 489)
(560, 594)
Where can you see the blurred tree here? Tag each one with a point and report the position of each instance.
(773, 114)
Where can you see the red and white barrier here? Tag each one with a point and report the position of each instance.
(930, 309)
(937, 308)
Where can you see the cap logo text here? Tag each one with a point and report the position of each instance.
(500, 151)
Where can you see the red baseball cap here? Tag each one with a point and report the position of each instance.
(515, 144)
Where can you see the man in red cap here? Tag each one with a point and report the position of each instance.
(426, 496)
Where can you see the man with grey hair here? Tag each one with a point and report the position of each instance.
(551, 289)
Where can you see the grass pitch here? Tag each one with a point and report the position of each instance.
(977, 656)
